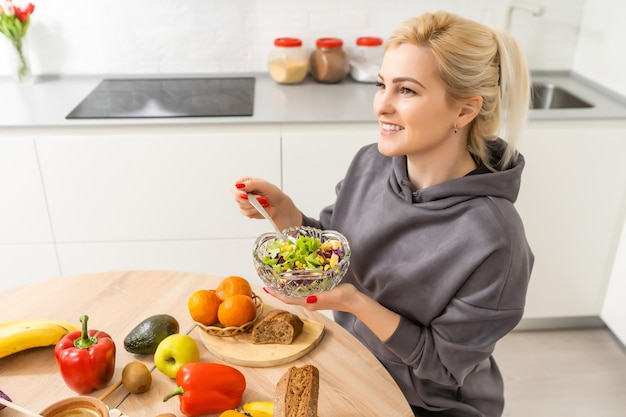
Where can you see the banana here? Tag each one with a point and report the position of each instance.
(259, 408)
(19, 335)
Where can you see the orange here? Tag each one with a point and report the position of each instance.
(233, 285)
(236, 311)
(203, 306)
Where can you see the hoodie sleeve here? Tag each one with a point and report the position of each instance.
(455, 343)
(487, 307)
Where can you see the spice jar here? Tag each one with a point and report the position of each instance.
(366, 59)
(329, 62)
(288, 61)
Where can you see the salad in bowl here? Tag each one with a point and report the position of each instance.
(313, 261)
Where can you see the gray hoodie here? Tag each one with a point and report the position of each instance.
(452, 260)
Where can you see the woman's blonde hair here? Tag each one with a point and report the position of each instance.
(475, 60)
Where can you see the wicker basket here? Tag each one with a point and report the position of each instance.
(218, 330)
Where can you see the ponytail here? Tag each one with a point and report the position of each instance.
(514, 92)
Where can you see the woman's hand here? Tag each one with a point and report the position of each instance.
(278, 204)
(345, 297)
(337, 299)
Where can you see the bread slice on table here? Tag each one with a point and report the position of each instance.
(297, 392)
(277, 326)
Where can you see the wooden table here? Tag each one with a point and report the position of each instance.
(352, 381)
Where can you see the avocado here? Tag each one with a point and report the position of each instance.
(147, 335)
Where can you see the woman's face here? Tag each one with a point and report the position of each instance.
(414, 116)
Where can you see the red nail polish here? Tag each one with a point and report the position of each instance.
(244, 196)
(240, 185)
(311, 299)
(263, 201)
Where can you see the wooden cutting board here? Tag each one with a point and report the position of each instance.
(239, 350)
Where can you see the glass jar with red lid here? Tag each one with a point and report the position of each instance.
(288, 62)
(329, 62)
(366, 59)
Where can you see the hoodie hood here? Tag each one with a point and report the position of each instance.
(478, 183)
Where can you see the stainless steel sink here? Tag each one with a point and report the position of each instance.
(551, 96)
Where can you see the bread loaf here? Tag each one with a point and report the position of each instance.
(297, 392)
(277, 326)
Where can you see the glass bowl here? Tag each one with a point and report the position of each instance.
(301, 282)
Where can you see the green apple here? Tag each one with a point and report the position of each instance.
(174, 351)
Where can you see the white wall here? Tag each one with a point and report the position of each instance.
(614, 309)
(205, 36)
(601, 50)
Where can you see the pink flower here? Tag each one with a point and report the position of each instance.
(7, 9)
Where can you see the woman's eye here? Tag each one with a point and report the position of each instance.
(379, 85)
(405, 90)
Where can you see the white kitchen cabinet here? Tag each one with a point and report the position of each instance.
(23, 213)
(26, 263)
(155, 198)
(571, 200)
(26, 243)
(153, 184)
(221, 257)
(316, 157)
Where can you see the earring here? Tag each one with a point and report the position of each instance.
(455, 131)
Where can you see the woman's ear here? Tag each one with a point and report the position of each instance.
(469, 110)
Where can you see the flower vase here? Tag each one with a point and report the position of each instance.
(22, 74)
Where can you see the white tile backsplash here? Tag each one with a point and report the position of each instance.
(194, 36)
(208, 36)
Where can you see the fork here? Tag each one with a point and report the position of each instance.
(279, 234)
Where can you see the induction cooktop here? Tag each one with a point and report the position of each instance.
(167, 97)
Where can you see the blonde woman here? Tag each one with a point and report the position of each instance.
(440, 262)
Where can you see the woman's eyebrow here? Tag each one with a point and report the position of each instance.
(401, 79)
(409, 79)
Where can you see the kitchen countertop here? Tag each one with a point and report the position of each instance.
(46, 102)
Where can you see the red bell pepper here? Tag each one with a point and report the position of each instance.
(208, 388)
(86, 359)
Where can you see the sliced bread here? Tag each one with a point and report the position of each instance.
(277, 326)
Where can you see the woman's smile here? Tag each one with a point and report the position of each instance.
(388, 127)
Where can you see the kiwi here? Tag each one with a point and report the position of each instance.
(136, 377)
